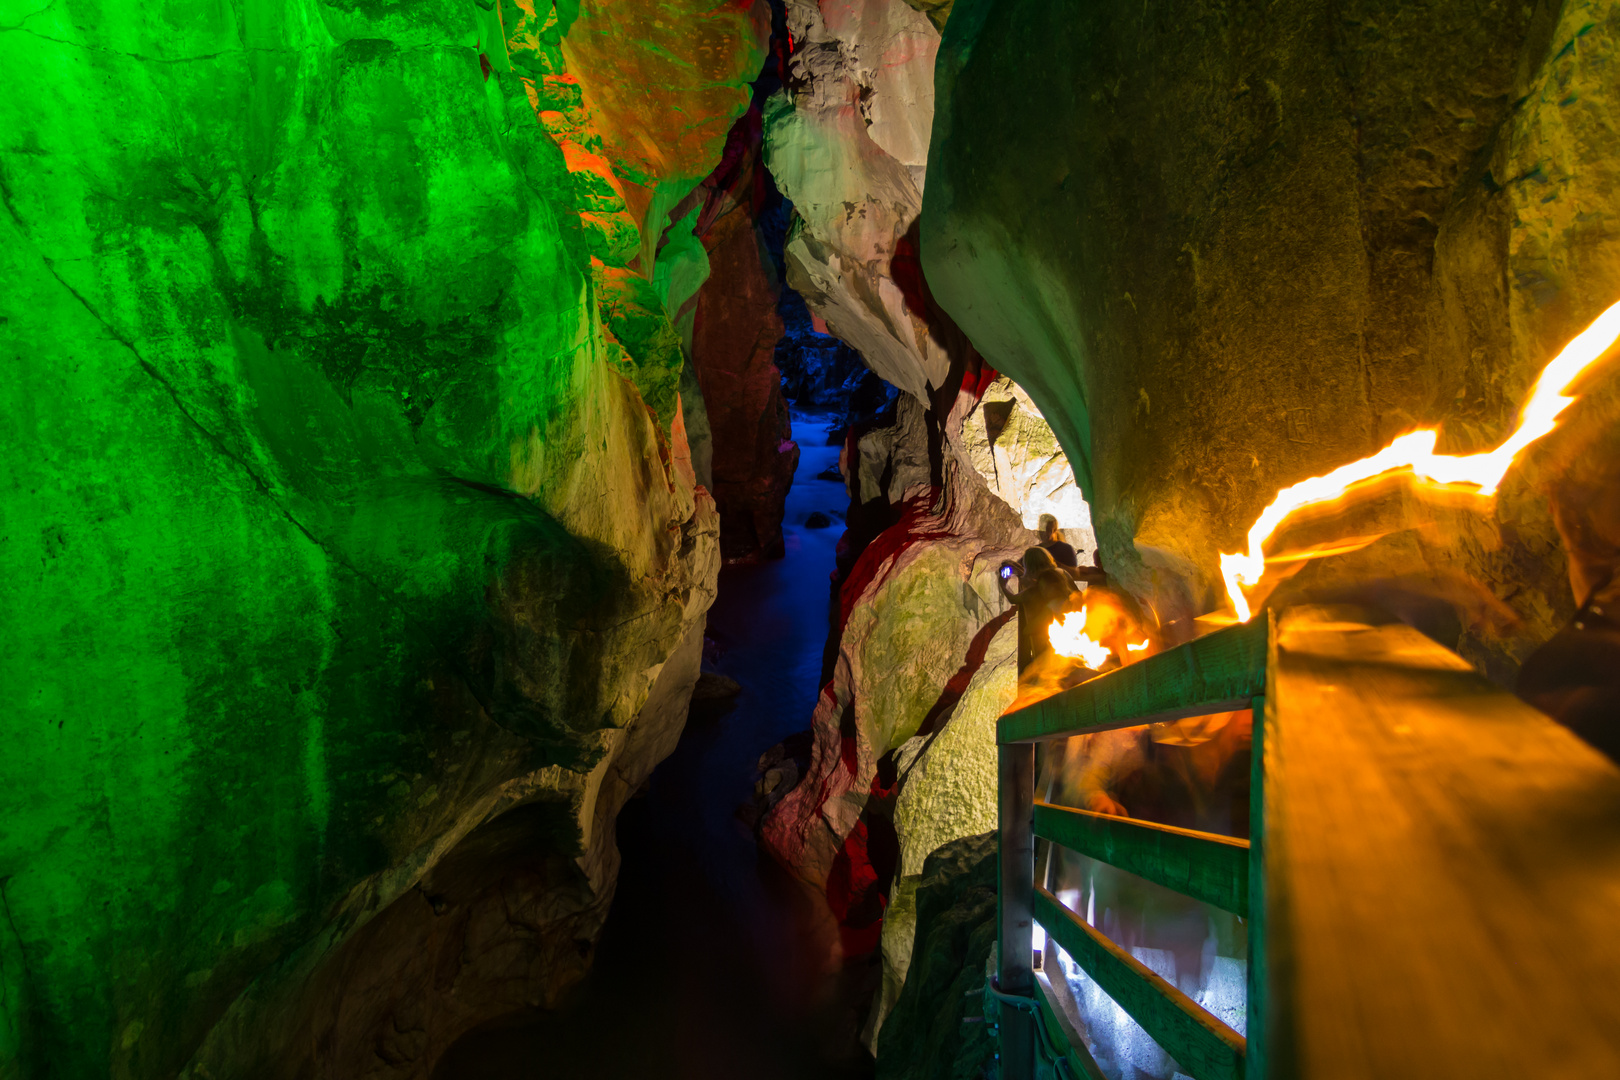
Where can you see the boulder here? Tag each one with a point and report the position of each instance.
(947, 791)
(940, 1029)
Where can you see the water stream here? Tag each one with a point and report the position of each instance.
(708, 966)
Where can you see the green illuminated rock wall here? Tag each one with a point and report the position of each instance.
(333, 522)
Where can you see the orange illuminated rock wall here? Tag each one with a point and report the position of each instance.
(1227, 249)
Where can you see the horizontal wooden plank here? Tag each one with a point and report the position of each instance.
(1200, 1043)
(1204, 866)
(1442, 867)
(1218, 672)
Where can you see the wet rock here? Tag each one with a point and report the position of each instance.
(938, 1028)
(713, 686)
(779, 770)
(817, 520)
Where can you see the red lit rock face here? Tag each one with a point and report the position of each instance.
(734, 334)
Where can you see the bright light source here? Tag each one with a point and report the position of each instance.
(1478, 474)
(1068, 637)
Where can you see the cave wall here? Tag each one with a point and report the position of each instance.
(735, 330)
(734, 353)
(944, 485)
(349, 511)
(848, 143)
(1227, 248)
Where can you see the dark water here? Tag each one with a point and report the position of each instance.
(709, 965)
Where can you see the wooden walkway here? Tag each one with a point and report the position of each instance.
(1433, 885)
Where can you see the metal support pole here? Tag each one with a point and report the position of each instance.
(1255, 1031)
(1017, 893)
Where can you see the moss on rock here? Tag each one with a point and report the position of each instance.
(330, 528)
(938, 1029)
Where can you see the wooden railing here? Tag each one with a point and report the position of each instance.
(1221, 672)
(1435, 864)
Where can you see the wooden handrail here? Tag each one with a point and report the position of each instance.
(1441, 870)
(1219, 672)
(1203, 1045)
(1204, 866)
(1222, 671)
(1428, 855)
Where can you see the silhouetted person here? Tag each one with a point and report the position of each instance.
(1052, 540)
(1063, 554)
(1045, 590)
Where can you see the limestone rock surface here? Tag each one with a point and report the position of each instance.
(735, 333)
(848, 143)
(1228, 251)
(939, 1027)
(1011, 445)
(947, 791)
(356, 561)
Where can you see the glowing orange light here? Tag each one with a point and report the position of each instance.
(1136, 646)
(1415, 453)
(1068, 637)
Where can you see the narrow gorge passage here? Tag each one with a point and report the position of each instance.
(434, 648)
(709, 964)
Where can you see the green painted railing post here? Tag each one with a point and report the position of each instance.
(1254, 1064)
(1016, 936)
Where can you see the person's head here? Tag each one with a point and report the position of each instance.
(1037, 559)
(1049, 528)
